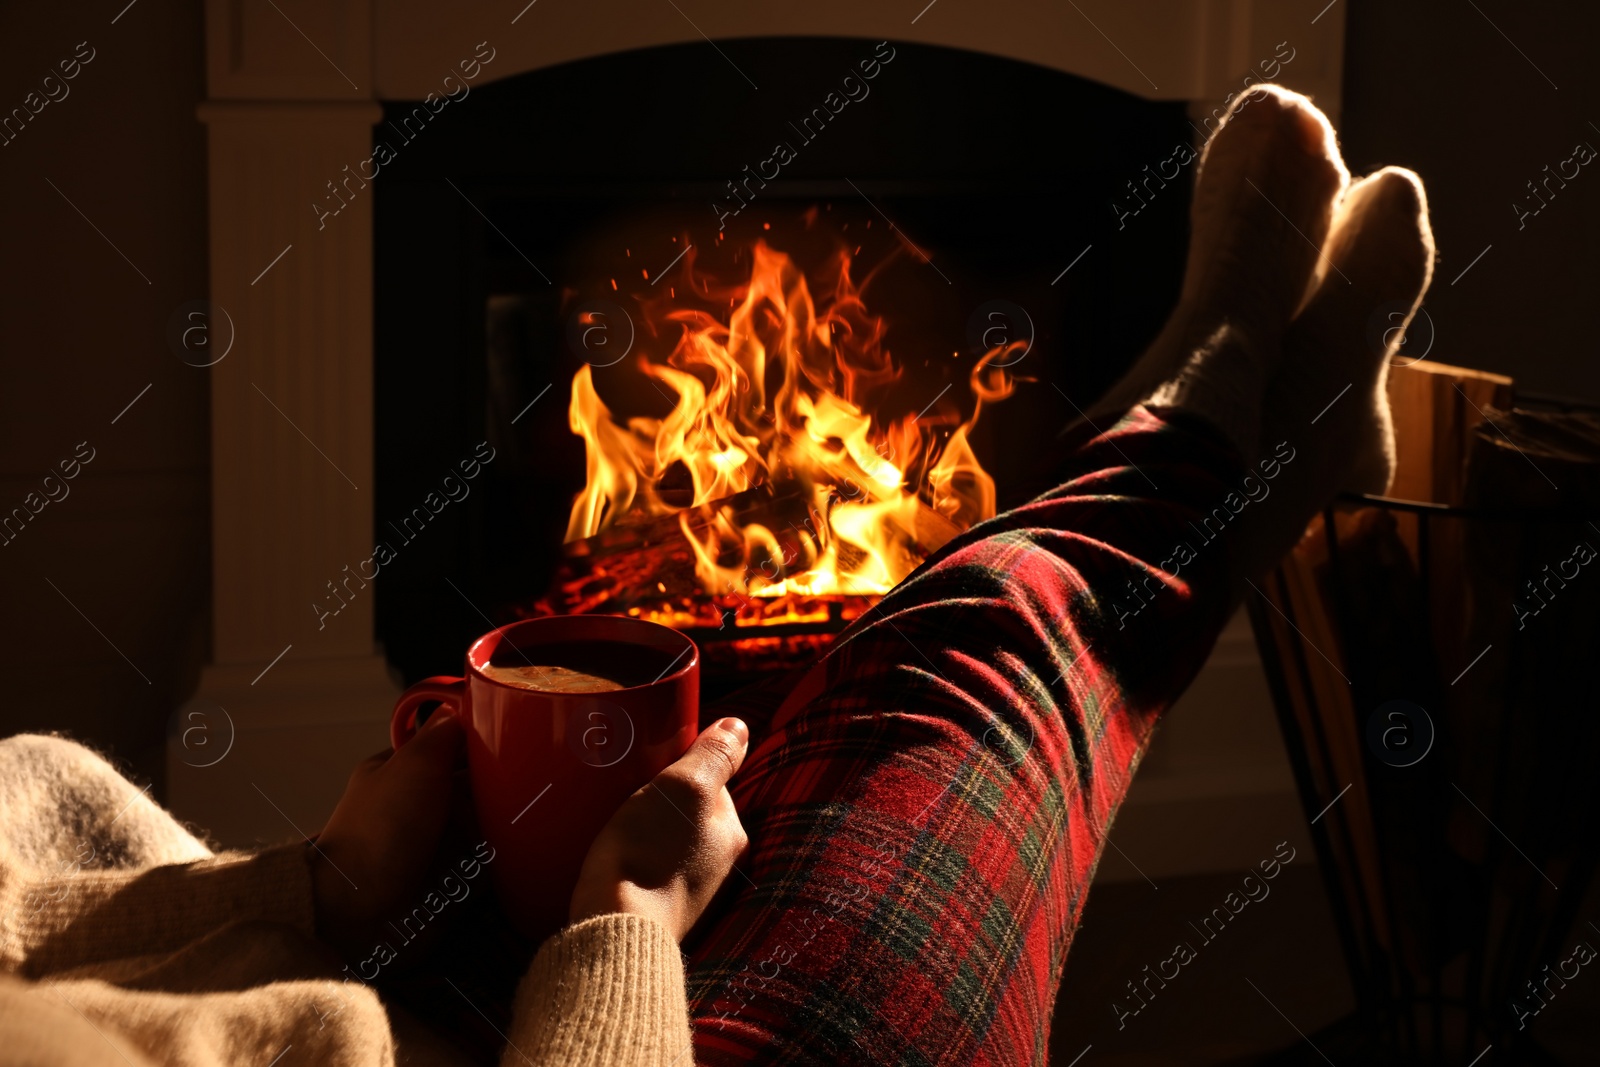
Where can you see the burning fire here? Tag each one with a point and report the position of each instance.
(781, 477)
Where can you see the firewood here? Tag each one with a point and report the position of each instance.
(643, 564)
(1435, 407)
(1308, 585)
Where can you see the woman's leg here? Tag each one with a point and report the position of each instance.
(928, 807)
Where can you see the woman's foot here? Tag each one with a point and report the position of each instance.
(1328, 401)
(1263, 201)
(1382, 242)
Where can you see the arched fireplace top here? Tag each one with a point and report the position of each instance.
(1196, 50)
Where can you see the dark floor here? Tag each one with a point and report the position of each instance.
(1275, 969)
(1209, 1014)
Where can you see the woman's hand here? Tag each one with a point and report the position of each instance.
(671, 845)
(383, 837)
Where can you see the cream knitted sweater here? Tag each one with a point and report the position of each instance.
(126, 942)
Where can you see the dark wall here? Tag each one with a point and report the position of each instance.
(1432, 85)
(105, 589)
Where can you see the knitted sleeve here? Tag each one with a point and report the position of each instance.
(54, 922)
(605, 991)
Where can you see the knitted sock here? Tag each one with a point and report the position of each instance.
(1328, 401)
(1263, 201)
(1223, 382)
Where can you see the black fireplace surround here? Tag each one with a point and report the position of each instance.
(999, 200)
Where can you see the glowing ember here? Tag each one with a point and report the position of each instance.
(781, 477)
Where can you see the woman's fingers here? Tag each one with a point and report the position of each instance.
(716, 756)
(666, 860)
(432, 753)
(383, 834)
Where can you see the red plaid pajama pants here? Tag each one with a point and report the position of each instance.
(927, 804)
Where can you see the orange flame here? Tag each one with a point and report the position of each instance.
(780, 398)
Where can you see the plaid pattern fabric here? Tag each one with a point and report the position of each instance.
(926, 805)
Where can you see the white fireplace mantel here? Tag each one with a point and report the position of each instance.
(294, 88)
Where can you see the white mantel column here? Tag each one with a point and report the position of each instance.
(301, 696)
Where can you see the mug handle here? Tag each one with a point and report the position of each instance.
(447, 690)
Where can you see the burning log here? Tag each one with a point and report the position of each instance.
(646, 567)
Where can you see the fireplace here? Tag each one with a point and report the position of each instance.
(1009, 169)
(928, 228)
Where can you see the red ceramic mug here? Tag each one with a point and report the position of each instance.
(549, 768)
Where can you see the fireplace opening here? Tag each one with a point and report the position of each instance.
(885, 313)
